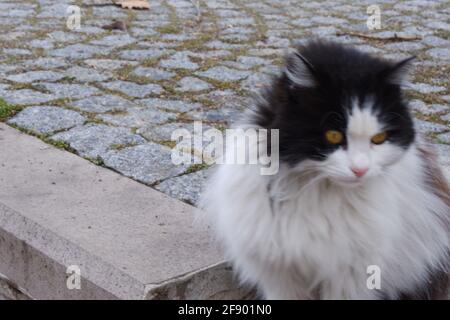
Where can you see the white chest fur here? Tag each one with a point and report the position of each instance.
(296, 242)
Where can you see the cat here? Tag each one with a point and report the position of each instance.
(357, 187)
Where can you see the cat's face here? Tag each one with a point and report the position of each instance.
(341, 114)
(365, 148)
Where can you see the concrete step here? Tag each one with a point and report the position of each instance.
(127, 240)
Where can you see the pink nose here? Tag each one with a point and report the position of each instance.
(359, 172)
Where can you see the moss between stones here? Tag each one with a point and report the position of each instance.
(7, 110)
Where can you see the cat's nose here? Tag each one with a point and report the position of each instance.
(359, 172)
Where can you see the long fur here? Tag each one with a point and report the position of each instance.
(299, 235)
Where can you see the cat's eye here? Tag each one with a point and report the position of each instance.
(379, 138)
(334, 137)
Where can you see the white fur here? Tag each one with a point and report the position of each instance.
(312, 231)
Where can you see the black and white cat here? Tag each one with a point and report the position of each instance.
(356, 187)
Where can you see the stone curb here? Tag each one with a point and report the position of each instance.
(128, 240)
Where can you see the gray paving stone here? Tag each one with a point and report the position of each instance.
(17, 52)
(224, 74)
(78, 51)
(92, 140)
(446, 117)
(192, 84)
(436, 41)
(187, 187)
(133, 89)
(42, 43)
(148, 163)
(73, 91)
(163, 132)
(103, 103)
(109, 64)
(424, 87)
(409, 47)
(116, 40)
(440, 53)
(142, 54)
(81, 74)
(224, 115)
(429, 127)
(227, 98)
(53, 10)
(420, 106)
(172, 105)
(143, 32)
(5, 69)
(33, 76)
(63, 37)
(47, 119)
(26, 96)
(137, 117)
(444, 137)
(46, 63)
(179, 60)
(216, 44)
(256, 82)
(89, 29)
(154, 73)
(252, 61)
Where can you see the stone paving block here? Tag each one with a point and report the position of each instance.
(116, 40)
(92, 140)
(142, 54)
(137, 117)
(444, 137)
(187, 187)
(429, 127)
(172, 105)
(440, 53)
(153, 73)
(26, 96)
(33, 76)
(46, 63)
(109, 64)
(192, 84)
(73, 91)
(81, 74)
(424, 87)
(47, 119)
(426, 109)
(78, 51)
(163, 132)
(132, 89)
(224, 74)
(179, 60)
(103, 103)
(148, 163)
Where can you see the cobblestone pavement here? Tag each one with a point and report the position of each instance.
(114, 97)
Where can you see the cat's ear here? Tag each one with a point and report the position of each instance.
(399, 72)
(300, 71)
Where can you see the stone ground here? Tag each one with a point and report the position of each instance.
(114, 97)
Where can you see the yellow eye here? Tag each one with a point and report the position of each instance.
(334, 137)
(379, 138)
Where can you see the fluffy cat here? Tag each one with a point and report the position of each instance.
(356, 187)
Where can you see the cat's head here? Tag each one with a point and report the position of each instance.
(340, 112)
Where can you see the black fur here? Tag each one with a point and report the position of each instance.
(340, 73)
